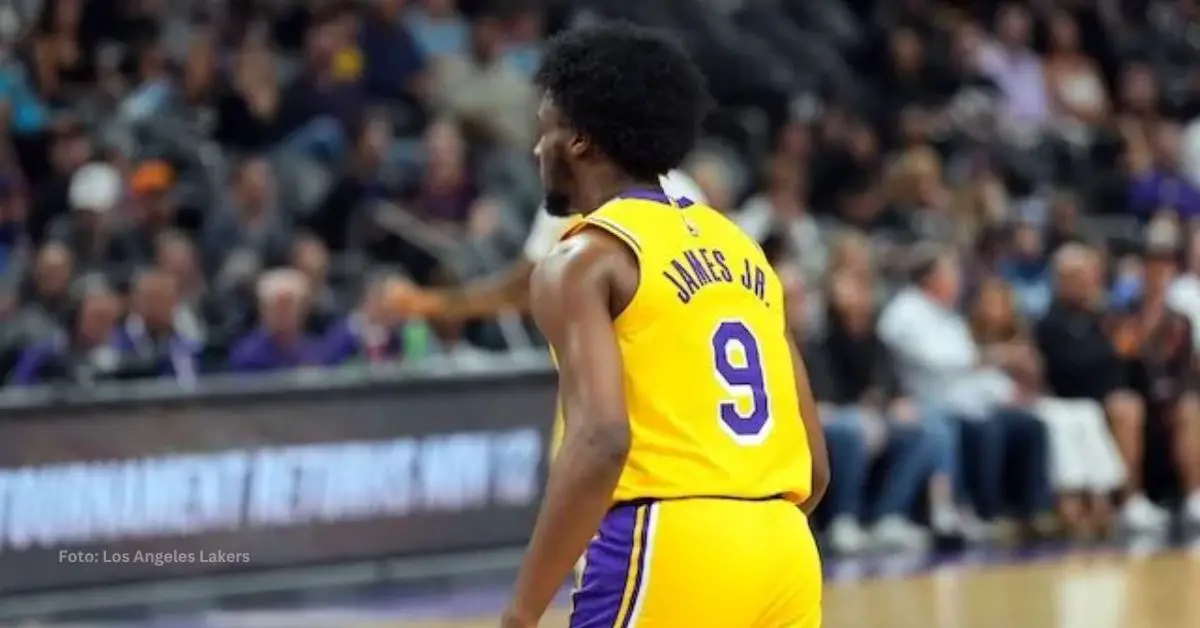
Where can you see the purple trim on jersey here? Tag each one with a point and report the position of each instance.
(597, 600)
(656, 196)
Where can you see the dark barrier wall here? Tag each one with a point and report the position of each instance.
(98, 493)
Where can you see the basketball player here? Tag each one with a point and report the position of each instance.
(510, 287)
(692, 450)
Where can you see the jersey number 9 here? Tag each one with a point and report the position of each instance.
(738, 365)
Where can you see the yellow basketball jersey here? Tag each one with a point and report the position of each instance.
(709, 380)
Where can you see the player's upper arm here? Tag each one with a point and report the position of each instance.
(571, 299)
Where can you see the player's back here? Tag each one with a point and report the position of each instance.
(709, 380)
(719, 457)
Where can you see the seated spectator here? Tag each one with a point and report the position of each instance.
(248, 107)
(1156, 182)
(368, 333)
(339, 218)
(448, 197)
(81, 356)
(1017, 70)
(280, 342)
(523, 50)
(865, 398)
(1184, 294)
(251, 231)
(1025, 271)
(92, 230)
(151, 208)
(69, 150)
(1085, 466)
(438, 28)
(394, 64)
(492, 100)
(1155, 344)
(310, 257)
(965, 395)
(711, 174)
(201, 310)
(327, 94)
(1077, 91)
(156, 333)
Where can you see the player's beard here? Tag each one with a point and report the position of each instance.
(558, 204)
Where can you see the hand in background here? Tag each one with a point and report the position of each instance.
(411, 301)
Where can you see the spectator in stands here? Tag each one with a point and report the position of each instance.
(248, 107)
(153, 85)
(176, 255)
(1184, 294)
(980, 204)
(962, 390)
(91, 231)
(522, 50)
(865, 395)
(448, 196)
(844, 171)
(161, 338)
(918, 193)
(43, 302)
(280, 342)
(781, 209)
(339, 217)
(1017, 70)
(81, 356)
(490, 99)
(1063, 224)
(1025, 271)
(368, 333)
(712, 176)
(151, 208)
(1139, 110)
(63, 59)
(907, 80)
(438, 28)
(394, 64)
(251, 231)
(1156, 345)
(1077, 91)
(1085, 466)
(310, 257)
(69, 150)
(1156, 183)
(327, 93)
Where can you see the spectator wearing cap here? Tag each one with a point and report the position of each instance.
(965, 394)
(82, 355)
(1155, 344)
(157, 332)
(91, 230)
(280, 341)
(369, 333)
(151, 208)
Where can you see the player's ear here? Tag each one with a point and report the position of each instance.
(579, 146)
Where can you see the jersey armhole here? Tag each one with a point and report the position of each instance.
(622, 235)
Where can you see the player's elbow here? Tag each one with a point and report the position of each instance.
(820, 480)
(607, 443)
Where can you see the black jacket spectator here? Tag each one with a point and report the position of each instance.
(1079, 360)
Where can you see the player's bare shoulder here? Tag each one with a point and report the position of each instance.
(589, 260)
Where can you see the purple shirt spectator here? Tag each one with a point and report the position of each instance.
(259, 352)
(1152, 191)
(353, 338)
(176, 356)
(1019, 75)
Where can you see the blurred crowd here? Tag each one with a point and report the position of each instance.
(984, 213)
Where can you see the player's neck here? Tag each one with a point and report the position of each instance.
(601, 187)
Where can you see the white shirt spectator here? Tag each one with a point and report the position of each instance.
(548, 229)
(1189, 152)
(938, 359)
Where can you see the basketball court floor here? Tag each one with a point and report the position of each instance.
(1033, 589)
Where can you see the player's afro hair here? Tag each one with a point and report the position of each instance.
(634, 93)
